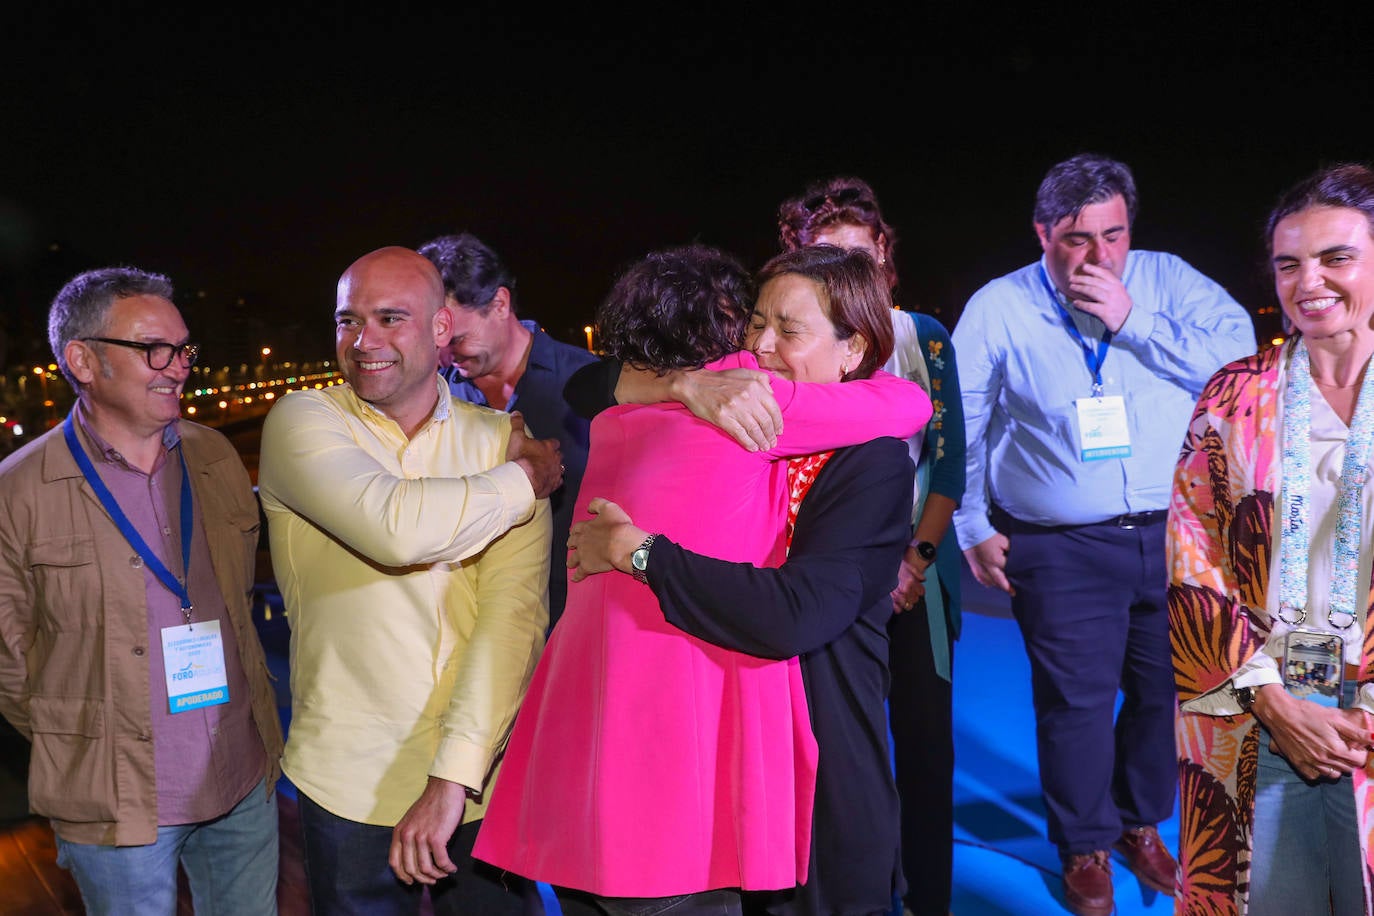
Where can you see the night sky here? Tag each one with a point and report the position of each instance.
(253, 156)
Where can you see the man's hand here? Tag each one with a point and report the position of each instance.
(419, 842)
(911, 581)
(603, 542)
(988, 561)
(739, 402)
(540, 459)
(1099, 292)
(1319, 742)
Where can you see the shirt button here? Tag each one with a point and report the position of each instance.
(136, 562)
(138, 651)
(166, 530)
(145, 737)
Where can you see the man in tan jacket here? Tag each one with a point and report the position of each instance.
(127, 650)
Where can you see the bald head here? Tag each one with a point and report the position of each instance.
(398, 271)
(390, 320)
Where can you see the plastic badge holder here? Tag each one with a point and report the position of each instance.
(1314, 666)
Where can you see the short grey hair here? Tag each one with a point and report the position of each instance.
(80, 307)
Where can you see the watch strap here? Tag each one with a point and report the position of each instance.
(639, 560)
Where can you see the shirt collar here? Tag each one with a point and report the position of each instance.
(541, 348)
(442, 409)
(171, 436)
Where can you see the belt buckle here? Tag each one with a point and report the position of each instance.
(1130, 521)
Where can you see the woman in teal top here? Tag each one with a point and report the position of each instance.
(844, 211)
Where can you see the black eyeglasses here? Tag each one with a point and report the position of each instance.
(158, 355)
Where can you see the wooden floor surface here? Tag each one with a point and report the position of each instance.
(31, 883)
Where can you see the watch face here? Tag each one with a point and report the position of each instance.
(926, 550)
(640, 559)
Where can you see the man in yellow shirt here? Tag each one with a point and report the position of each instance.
(410, 539)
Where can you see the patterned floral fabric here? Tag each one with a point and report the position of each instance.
(1220, 541)
(801, 474)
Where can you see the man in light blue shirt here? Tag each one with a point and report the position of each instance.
(1079, 374)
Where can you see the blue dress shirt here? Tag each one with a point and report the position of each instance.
(538, 395)
(1021, 371)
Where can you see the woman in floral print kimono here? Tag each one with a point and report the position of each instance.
(1270, 551)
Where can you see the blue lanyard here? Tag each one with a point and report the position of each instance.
(1093, 359)
(126, 527)
(1295, 540)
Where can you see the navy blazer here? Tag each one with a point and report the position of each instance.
(829, 603)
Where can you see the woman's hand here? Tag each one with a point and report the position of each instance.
(604, 542)
(739, 402)
(911, 581)
(1319, 742)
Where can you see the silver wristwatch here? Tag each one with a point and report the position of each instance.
(639, 560)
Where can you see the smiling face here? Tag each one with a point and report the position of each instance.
(1323, 261)
(1100, 234)
(792, 335)
(480, 336)
(389, 324)
(116, 383)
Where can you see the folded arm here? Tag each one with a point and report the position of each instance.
(312, 464)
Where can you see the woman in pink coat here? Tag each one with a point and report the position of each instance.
(646, 763)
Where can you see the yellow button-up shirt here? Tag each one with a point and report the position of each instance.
(415, 578)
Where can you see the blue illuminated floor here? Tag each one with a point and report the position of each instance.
(1003, 865)
(1002, 862)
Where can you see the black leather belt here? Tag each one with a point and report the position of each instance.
(1010, 524)
(1138, 519)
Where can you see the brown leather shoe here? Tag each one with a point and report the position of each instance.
(1146, 855)
(1088, 884)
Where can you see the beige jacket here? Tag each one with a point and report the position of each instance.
(73, 625)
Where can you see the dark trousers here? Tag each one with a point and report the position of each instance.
(920, 715)
(721, 902)
(346, 868)
(1090, 602)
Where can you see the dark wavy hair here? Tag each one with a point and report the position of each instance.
(1347, 184)
(854, 295)
(1088, 178)
(836, 201)
(471, 270)
(677, 308)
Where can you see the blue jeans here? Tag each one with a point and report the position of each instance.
(720, 902)
(230, 864)
(1306, 843)
(347, 870)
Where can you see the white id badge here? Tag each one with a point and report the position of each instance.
(1102, 428)
(193, 659)
(1314, 666)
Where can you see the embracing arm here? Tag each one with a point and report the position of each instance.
(312, 465)
(592, 388)
(850, 534)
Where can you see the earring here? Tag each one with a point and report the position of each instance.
(844, 370)
(882, 262)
